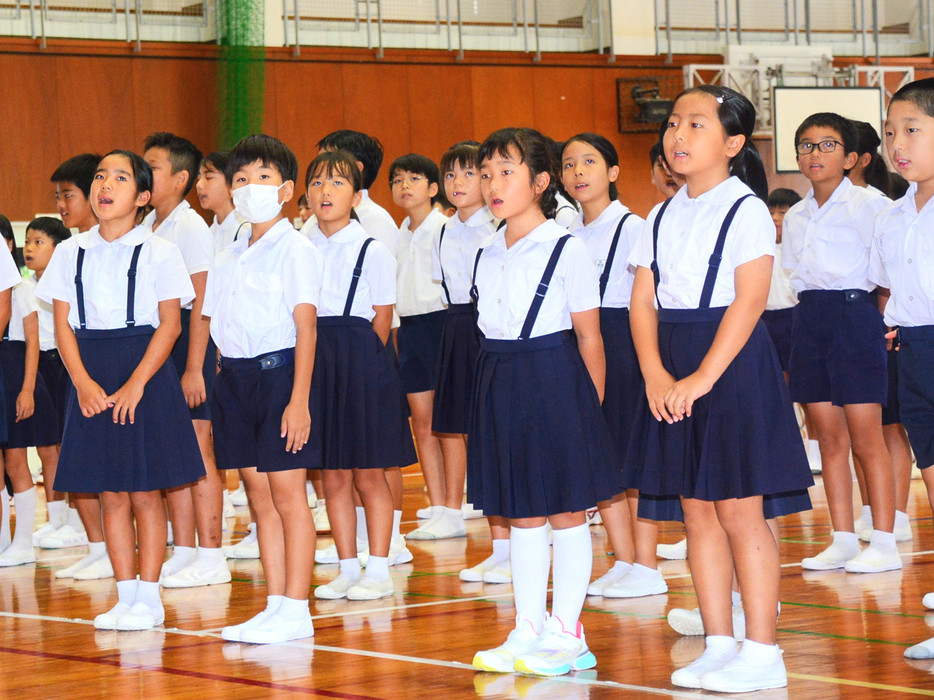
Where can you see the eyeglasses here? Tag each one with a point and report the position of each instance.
(806, 147)
(411, 180)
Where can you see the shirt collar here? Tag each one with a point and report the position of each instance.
(135, 236)
(174, 216)
(351, 232)
(232, 221)
(481, 217)
(726, 192)
(279, 229)
(838, 194)
(547, 231)
(611, 213)
(428, 222)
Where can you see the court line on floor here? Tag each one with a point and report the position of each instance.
(862, 684)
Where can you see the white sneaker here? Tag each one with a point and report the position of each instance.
(610, 577)
(502, 659)
(924, 650)
(310, 494)
(64, 537)
(108, 620)
(238, 497)
(741, 676)
(814, 458)
(556, 652)
(928, 601)
(471, 513)
(247, 548)
(475, 573)
(676, 551)
(12, 556)
(43, 531)
(197, 574)
(690, 676)
(902, 533)
(231, 633)
(276, 630)
(593, 517)
(322, 523)
(873, 561)
(96, 570)
(328, 555)
(336, 589)
(443, 528)
(398, 551)
(176, 563)
(502, 573)
(140, 617)
(424, 513)
(690, 623)
(370, 589)
(834, 557)
(229, 510)
(862, 523)
(632, 586)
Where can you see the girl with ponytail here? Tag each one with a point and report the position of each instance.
(717, 429)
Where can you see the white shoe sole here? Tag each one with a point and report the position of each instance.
(658, 589)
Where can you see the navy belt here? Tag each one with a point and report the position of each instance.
(833, 295)
(551, 340)
(123, 332)
(335, 321)
(415, 318)
(907, 334)
(614, 314)
(691, 315)
(269, 360)
(457, 309)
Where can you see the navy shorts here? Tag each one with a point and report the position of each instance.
(837, 349)
(250, 395)
(892, 411)
(916, 390)
(419, 348)
(778, 323)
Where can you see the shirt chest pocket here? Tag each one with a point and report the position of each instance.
(841, 249)
(264, 295)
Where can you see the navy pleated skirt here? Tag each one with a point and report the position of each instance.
(58, 384)
(539, 441)
(41, 428)
(460, 345)
(158, 451)
(362, 414)
(778, 323)
(742, 438)
(208, 367)
(665, 508)
(624, 385)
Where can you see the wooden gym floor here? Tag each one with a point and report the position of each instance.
(843, 635)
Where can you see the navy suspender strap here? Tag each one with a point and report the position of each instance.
(713, 266)
(605, 276)
(474, 293)
(357, 271)
(79, 288)
(131, 287)
(539, 297)
(655, 272)
(444, 285)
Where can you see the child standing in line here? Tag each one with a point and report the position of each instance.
(127, 432)
(540, 449)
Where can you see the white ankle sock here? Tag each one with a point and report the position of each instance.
(396, 521)
(293, 610)
(350, 568)
(846, 540)
(273, 602)
(148, 592)
(97, 550)
(501, 550)
(737, 598)
(531, 558)
(126, 591)
(621, 566)
(361, 524)
(760, 654)
(210, 555)
(180, 552)
(866, 513)
(25, 502)
(571, 575)
(883, 541)
(640, 571)
(901, 519)
(454, 514)
(377, 568)
(58, 513)
(74, 520)
(5, 536)
(722, 646)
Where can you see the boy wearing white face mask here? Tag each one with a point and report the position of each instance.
(262, 297)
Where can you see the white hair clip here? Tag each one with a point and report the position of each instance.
(720, 99)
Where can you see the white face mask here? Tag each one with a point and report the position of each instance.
(257, 203)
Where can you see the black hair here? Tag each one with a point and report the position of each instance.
(783, 197)
(606, 150)
(340, 163)
(51, 227)
(535, 150)
(737, 116)
(269, 151)
(876, 173)
(462, 153)
(142, 174)
(6, 230)
(183, 154)
(843, 126)
(417, 164)
(303, 201)
(78, 170)
(899, 186)
(217, 161)
(364, 148)
(920, 93)
(655, 152)
(557, 148)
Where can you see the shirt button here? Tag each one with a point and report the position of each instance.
(228, 325)
(241, 262)
(503, 267)
(911, 298)
(500, 335)
(809, 245)
(909, 261)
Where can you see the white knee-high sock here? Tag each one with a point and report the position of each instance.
(4, 519)
(58, 513)
(25, 502)
(531, 560)
(361, 524)
(573, 564)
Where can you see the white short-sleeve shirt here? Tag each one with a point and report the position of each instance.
(598, 237)
(225, 232)
(781, 295)
(566, 211)
(160, 275)
(24, 303)
(46, 320)
(186, 229)
(375, 220)
(507, 280)
(454, 255)
(377, 283)
(9, 274)
(417, 289)
(253, 290)
(828, 247)
(902, 260)
(688, 234)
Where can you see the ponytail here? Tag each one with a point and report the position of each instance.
(747, 166)
(877, 174)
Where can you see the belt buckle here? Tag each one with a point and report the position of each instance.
(853, 295)
(272, 361)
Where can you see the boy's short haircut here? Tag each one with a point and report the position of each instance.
(843, 126)
(78, 170)
(269, 151)
(366, 149)
(51, 227)
(656, 152)
(303, 201)
(217, 161)
(441, 199)
(417, 164)
(182, 153)
(920, 93)
(783, 197)
(463, 154)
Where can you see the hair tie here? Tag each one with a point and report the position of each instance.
(720, 99)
